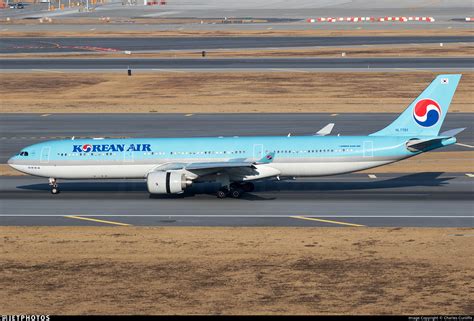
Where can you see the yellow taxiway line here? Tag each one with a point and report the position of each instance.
(96, 220)
(325, 221)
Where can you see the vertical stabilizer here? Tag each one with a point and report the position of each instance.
(426, 114)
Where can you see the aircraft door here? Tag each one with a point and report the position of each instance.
(128, 156)
(368, 149)
(258, 151)
(45, 151)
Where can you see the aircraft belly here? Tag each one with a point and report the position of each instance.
(325, 168)
(87, 171)
(92, 171)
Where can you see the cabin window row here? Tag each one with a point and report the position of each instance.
(311, 151)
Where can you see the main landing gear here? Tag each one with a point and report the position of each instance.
(54, 186)
(235, 190)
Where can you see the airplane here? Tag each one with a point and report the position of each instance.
(171, 165)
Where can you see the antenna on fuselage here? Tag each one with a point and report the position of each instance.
(289, 135)
(72, 138)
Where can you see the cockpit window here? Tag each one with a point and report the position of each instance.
(24, 154)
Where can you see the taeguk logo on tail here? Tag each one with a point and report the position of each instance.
(427, 112)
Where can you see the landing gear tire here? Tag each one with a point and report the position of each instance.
(235, 193)
(54, 185)
(221, 194)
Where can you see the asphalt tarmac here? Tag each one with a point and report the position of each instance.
(20, 130)
(418, 199)
(365, 64)
(146, 44)
(423, 199)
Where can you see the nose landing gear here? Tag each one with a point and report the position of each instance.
(54, 186)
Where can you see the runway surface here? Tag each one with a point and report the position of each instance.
(140, 44)
(20, 130)
(239, 64)
(425, 199)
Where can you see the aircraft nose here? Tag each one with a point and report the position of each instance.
(11, 161)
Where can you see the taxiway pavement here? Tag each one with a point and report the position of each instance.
(139, 44)
(117, 64)
(422, 199)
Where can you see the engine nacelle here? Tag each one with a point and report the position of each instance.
(169, 182)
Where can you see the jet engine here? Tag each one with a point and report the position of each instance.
(167, 182)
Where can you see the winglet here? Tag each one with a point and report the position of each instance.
(266, 159)
(326, 130)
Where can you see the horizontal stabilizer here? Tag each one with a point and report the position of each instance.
(326, 130)
(452, 132)
(416, 145)
(420, 144)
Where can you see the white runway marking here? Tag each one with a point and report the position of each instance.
(288, 70)
(167, 70)
(465, 145)
(96, 220)
(372, 176)
(469, 175)
(326, 221)
(48, 70)
(240, 216)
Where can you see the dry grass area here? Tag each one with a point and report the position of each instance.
(312, 30)
(174, 270)
(422, 50)
(452, 162)
(221, 92)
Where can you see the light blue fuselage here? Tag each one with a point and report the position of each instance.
(136, 157)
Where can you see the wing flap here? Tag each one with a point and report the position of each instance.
(234, 163)
(217, 165)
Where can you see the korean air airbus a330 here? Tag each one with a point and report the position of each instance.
(170, 165)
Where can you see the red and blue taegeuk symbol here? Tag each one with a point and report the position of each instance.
(426, 112)
(87, 148)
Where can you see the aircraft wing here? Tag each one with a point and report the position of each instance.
(233, 163)
(217, 165)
